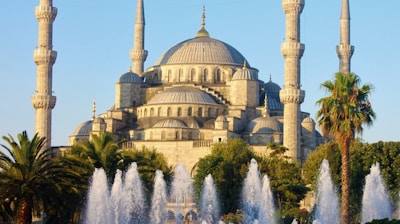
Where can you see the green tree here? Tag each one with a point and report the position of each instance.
(30, 180)
(342, 116)
(228, 165)
(100, 151)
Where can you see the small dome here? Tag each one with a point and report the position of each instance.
(271, 87)
(170, 123)
(83, 129)
(202, 50)
(308, 119)
(272, 90)
(244, 73)
(264, 125)
(130, 77)
(182, 94)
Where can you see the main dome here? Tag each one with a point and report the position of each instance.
(202, 50)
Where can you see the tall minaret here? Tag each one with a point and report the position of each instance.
(43, 101)
(291, 95)
(138, 54)
(344, 49)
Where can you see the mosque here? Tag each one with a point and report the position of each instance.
(200, 92)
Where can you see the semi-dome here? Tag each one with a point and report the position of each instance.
(180, 95)
(170, 123)
(244, 74)
(83, 129)
(264, 125)
(202, 50)
(130, 77)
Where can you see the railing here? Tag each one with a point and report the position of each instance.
(202, 143)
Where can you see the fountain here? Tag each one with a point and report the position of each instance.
(124, 204)
(375, 202)
(327, 205)
(98, 208)
(180, 200)
(257, 198)
(158, 212)
(210, 211)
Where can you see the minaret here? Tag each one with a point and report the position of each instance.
(291, 95)
(344, 49)
(138, 54)
(43, 101)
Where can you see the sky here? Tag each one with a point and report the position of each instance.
(93, 39)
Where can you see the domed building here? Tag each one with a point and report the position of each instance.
(200, 91)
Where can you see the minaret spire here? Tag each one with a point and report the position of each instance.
(43, 101)
(345, 49)
(291, 95)
(138, 54)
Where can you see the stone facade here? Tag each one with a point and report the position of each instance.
(203, 91)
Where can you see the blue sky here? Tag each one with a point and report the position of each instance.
(93, 39)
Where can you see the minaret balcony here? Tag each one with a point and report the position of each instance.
(43, 101)
(293, 6)
(292, 49)
(345, 50)
(45, 12)
(292, 96)
(44, 56)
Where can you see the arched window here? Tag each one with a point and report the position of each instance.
(162, 135)
(180, 78)
(202, 136)
(151, 112)
(217, 112)
(190, 111)
(218, 75)
(192, 74)
(169, 75)
(169, 111)
(200, 112)
(190, 135)
(177, 135)
(151, 135)
(179, 112)
(159, 111)
(209, 112)
(139, 136)
(205, 74)
(145, 112)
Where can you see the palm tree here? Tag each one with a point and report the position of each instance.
(342, 115)
(30, 179)
(100, 151)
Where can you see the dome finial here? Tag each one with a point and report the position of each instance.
(244, 64)
(203, 32)
(94, 110)
(270, 78)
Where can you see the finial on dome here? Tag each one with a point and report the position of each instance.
(203, 32)
(270, 78)
(94, 110)
(244, 64)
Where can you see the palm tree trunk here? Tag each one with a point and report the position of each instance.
(25, 211)
(345, 182)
